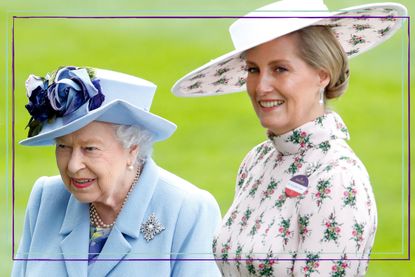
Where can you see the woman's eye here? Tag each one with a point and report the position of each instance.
(251, 69)
(280, 69)
(60, 146)
(90, 148)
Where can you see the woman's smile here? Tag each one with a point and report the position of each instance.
(81, 183)
(269, 104)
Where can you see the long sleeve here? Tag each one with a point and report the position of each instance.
(19, 266)
(198, 220)
(337, 223)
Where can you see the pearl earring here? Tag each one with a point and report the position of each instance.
(130, 167)
(321, 101)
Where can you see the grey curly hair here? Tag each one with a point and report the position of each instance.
(130, 135)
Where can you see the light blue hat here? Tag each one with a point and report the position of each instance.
(72, 97)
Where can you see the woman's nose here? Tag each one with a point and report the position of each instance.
(76, 162)
(265, 84)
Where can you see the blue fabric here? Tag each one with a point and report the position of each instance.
(57, 227)
(97, 238)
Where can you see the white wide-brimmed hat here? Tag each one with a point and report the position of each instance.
(358, 29)
(72, 97)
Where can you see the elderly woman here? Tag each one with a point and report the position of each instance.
(112, 206)
(303, 204)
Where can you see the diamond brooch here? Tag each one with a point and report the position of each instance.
(151, 227)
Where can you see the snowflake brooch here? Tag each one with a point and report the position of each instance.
(151, 227)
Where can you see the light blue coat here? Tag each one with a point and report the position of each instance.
(57, 227)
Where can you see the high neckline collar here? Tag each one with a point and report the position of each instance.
(327, 127)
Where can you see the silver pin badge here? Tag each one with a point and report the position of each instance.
(311, 167)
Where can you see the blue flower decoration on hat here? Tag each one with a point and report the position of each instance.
(60, 94)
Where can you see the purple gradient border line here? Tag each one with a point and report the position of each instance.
(214, 17)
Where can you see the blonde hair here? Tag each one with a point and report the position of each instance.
(319, 47)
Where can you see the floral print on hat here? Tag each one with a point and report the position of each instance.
(356, 30)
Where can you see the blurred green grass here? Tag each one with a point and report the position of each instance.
(214, 133)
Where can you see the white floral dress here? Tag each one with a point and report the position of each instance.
(328, 230)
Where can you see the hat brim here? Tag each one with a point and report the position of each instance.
(227, 74)
(117, 112)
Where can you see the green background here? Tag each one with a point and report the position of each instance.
(215, 133)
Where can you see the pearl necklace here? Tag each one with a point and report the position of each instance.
(94, 216)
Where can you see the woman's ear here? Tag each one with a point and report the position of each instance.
(324, 78)
(133, 151)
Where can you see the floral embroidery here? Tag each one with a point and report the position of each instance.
(225, 250)
(355, 40)
(269, 191)
(195, 85)
(265, 267)
(340, 126)
(339, 268)
(284, 230)
(357, 234)
(349, 160)
(278, 160)
(311, 264)
(221, 81)
(250, 263)
(383, 31)
(247, 183)
(238, 256)
(303, 222)
(232, 217)
(352, 52)
(388, 18)
(335, 19)
(280, 201)
(349, 196)
(334, 25)
(323, 191)
(221, 71)
(263, 151)
(319, 120)
(198, 76)
(300, 137)
(257, 225)
(214, 244)
(363, 17)
(324, 146)
(241, 81)
(265, 234)
(368, 201)
(361, 27)
(255, 187)
(296, 165)
(244, 219)
(242, 177)
(332, 232)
